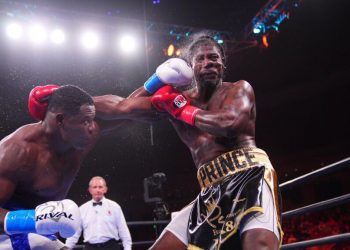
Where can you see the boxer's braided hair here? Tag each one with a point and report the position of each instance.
(198, 40)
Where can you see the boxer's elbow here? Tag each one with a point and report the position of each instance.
(107, 100)
(227, 125)
(109, 106)
(123, 109)
(228, 130)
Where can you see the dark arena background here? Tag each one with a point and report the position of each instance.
(295, 54)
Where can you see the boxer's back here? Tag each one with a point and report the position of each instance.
(38, 172)
(205, 146)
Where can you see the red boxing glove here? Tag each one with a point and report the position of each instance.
(38, 100)
(177, 105)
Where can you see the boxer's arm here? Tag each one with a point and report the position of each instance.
(12, 157)
(112, 107)
(137, 106)
(236, 109)
(115, 112)
(140, 92)
(7, 190)
(230, 118)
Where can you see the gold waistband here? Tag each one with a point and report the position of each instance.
(231, 163)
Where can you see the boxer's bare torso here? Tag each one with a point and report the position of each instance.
(34, 169)
(225, 121)
(42, 173)
(39, 161)
(236, 97)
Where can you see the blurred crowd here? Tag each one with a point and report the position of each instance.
(319, 224)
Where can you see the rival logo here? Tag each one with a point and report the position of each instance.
(54, 216)
(180, 101)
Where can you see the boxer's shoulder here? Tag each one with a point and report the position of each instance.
(25, 136)
(241, 88)
(239, 83)
(13, 157)
(18, 148)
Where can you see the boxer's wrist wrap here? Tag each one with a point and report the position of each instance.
(188, 114)
(153, 84)
(20, 221)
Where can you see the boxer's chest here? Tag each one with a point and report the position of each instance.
(203, 145)
(52, 176)
(196, 137)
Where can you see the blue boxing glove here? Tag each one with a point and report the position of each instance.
(52, 217)
(174, 71)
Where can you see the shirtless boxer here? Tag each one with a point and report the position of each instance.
(39, 161)
(238, 206)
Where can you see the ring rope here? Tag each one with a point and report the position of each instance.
(317, 242)
(318, 206)
(148, 222)
(317, 173)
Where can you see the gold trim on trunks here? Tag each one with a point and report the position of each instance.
(193, 247)
(231, 163)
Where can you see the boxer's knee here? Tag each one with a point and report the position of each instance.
(259, 238)
(168, 241)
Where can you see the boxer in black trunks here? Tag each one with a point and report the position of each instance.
(216, 121)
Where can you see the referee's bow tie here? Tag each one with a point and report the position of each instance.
(97, 203)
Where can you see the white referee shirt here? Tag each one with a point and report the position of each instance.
(102, 223)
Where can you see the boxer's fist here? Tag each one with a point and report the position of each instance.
(38, 100)
(57, 216)
(177, 105)
(52, 217)
(174, 71)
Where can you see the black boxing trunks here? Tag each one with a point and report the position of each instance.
(231, 188)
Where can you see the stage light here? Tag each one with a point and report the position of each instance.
(256, 30)
(37, 34)
(14, 31)
(128, 44)
(259, 28)
(218, 38)
(57, 36)
(170, 51)
(178, 52)
(89, 40)
(265, 42)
